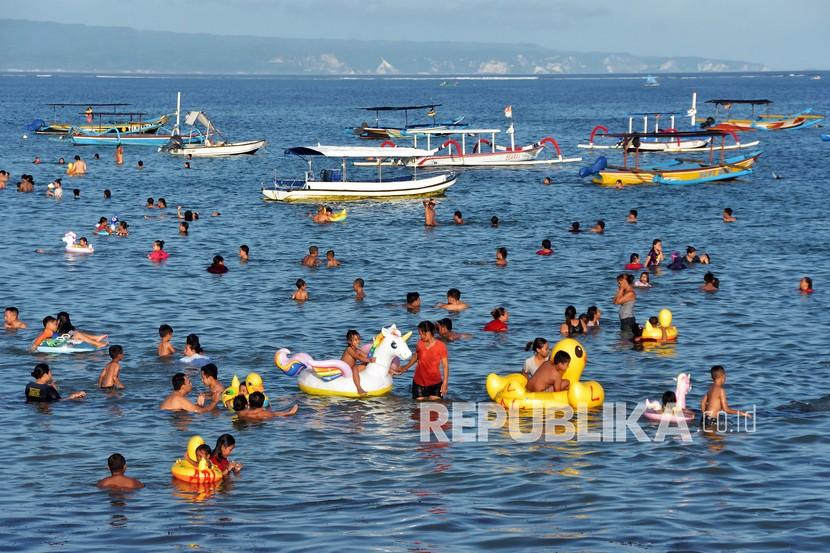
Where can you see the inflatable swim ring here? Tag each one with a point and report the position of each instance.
(187, 470)
(655, 333)
(158, 255)
(73, 247)
(654, 409)
(333, 377)
(253, 383)
(339, 216)
(197, 360)
(65, 345)
(510, 391)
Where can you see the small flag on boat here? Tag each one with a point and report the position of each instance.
(508, 111)
(431, 112)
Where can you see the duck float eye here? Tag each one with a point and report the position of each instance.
(578, 351)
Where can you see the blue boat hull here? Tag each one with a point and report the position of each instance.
(132, 140)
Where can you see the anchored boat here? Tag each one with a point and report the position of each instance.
(213, 145)
(99, 122)
(409, 129)
(336, 184)
(762, 122)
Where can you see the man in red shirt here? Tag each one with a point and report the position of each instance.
(429, 382)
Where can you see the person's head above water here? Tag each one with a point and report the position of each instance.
(413, 299)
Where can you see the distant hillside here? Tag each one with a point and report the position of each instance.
(51, 47)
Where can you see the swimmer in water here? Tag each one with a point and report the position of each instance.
(446, 333)
(457, 218)
(184, 228)
(244, 252)
(357, 286)
(547, 180)
(501, 257)
(256, 412)
(355, 358)
(454, 302)
(413, 302)
(655, 254)
(572, 325)
(210, 378)
(121, 230)
(109, 377)
(714, 402)
(313, 257)
(644, 281)
(727, 215)
(36, 160)
(10, 319)
(599, 228)
(548, 376)
(574, 228)
(805, 286)
(158, 253)
(322, 216)
(177, 399)
(429, 213)
(710, 282)
(546, 248)
(301, 294)
(165, 347)
(119, 155)
(634, 262)
(43, 389)
(499, 323)
(632, 216)
(116, 480)
(494, 221)
(103, 226)
(151, 203)
(218, 266)
(594, 317)
(330, 259)
(79, 167)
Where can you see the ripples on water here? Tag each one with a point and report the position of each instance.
(354, 475)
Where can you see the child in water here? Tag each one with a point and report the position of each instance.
(710, 283)
(121, 230)
(355, 358)
(117, 481)
(103, 226)
(301, 294)
(244, 252)
(218, 266)
(255, 410)
(330, 259)
(644, 281)
(457, 218)
(805, 286)
(501, 257)
(158, 254)
(727, 215)
(357, 286)
(454, 302)
(546, 248)
(714, 402)
(655, 254)
(166, 345)
(312, 259)
(109, 377)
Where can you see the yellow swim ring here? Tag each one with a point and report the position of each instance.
(70, 168)
(187, 470)
(655, 333)
(339, 216)
(510, 391)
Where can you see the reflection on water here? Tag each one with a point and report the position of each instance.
(355, 474)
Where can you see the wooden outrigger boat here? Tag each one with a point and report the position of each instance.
(762, 121)
(408, 130)
(213, 145)
(119, 122)
(676, 171)
(335, 184)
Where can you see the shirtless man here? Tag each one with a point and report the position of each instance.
(177, 400)
(209, 374)
(322, 216)
(429, 213)
(10, 320)
(447, 334)
(117, 481)
(548, 377)
(256, 411)
(355, 358)
(413, 302)
(79, 168)
(454, 302)
(313, 257)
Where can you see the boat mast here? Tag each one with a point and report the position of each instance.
(178, 112)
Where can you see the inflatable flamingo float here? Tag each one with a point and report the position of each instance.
(73, 247)
(333, 377)
(654, 409)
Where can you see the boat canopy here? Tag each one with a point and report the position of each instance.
(358, 151)
(400, 108)
(193, 116)
(442, 132)
(670, 134)
(723, 101)
(642, 113)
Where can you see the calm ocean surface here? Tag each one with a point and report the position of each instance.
(353, 475)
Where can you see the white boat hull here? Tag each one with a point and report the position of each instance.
(345, 190)
(685, 146)
(218, 150)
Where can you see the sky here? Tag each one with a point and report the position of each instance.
(793, 34)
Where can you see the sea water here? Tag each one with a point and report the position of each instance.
(355, 475)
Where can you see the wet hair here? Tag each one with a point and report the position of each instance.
(808, 280)
(716, 282)
(102, 220)
(17, 311)
(192, 340)
(633, 257)
(690, 249)
(161, 201)
(245, 248)
(351, 333)
(648, 276)
(140, 163)
(116, 462)
(188, 216)
(457, 214)
(575, 226)
(240, 403)
(330, 252)
(210, 370)
(256, 400)
(546, 244)
(313, 249)
(428, 327)
(159, 243)
(360, 282)
(446, 322)
(625, 276)
(178, 381)
(412, 296)
(115, 351)
(727, 210)
(632, 212)
(717, 371)
(655, 242)
(123, 224)
(47, 320)
(165, 330)
(40, 370)
(498, 312)
(494, 221)
(592, 312)
(708, 277)
(64, 323)
(654, 321)
(561, 357)
(329, 210)
(224, 440)
(601, 223)
(536, 344)
(107, 193)
(204, 450)
(76, 192)
(77, 158)
(669, 397)
(184, 226)
(150, 201)
(300, 283)
(454, 293)
(218, 259)
(502, 251)
(570, 313)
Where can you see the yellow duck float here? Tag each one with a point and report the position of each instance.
(655, 333)
(509, 391)
(193, 472)
(253, 383)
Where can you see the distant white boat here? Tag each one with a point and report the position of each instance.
(651, 81)
(815, 78)
(214, 144)
(43, 76)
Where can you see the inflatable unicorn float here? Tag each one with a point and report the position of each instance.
(333, 377)
(672, 413)
(72, 246)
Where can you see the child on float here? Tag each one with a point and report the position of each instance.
(355, 358)
(219, 456)
(109, 378)
(66, 328)
(541, 351)
(499, 323)
(165, 346)
(255, 410)
(103, 226)
(714, 402)
(548, 377)
(644, 281)
(116, 480)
